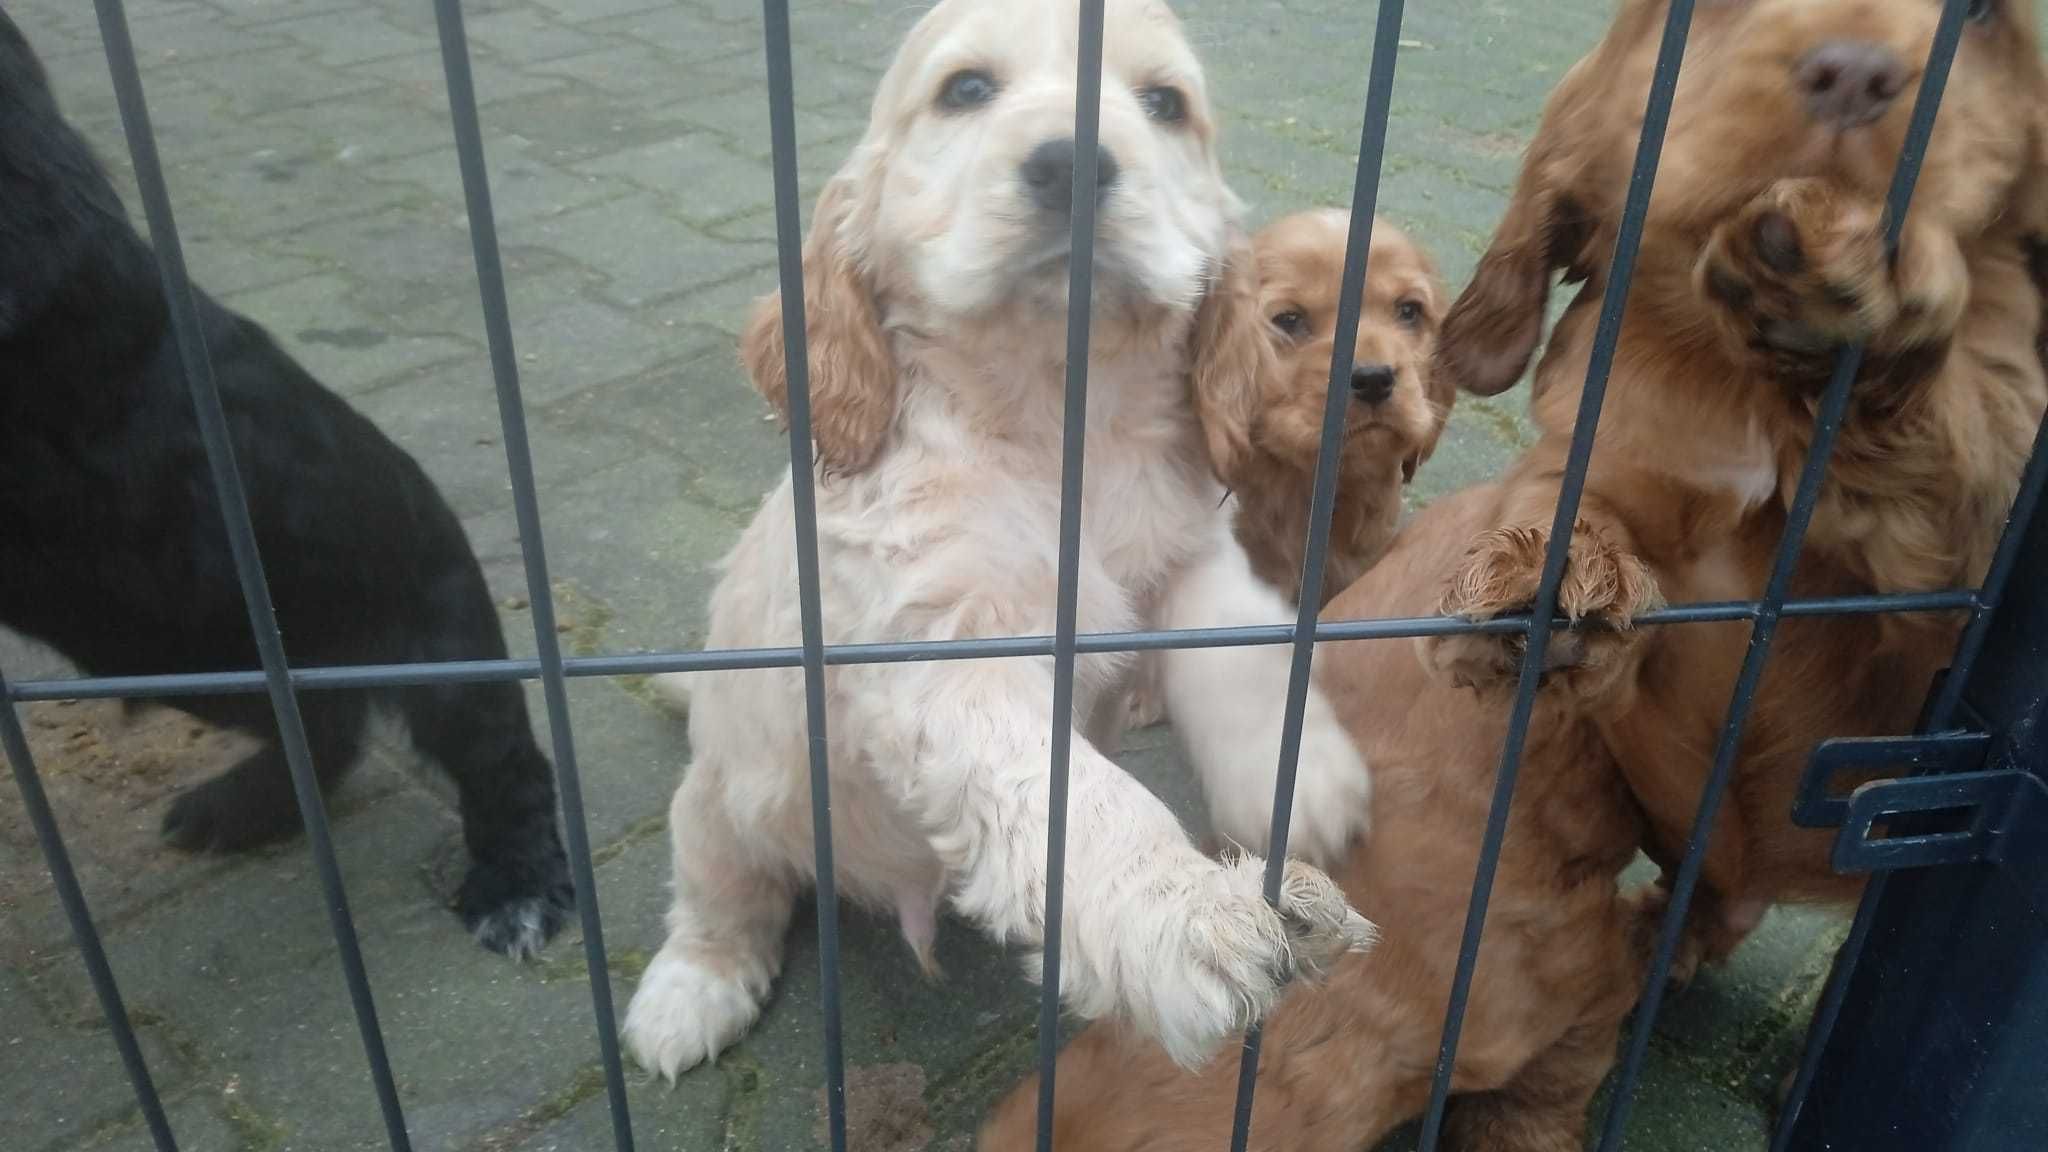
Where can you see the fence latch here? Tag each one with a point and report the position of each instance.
(1948, 806)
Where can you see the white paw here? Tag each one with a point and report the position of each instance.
(1332, 795)
(684, 1014)
(1216, 961)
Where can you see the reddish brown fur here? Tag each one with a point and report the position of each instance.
(1300, 262)
(1707, 420)
(1565, 951)
(1705, 428)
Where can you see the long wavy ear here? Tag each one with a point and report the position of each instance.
(853, 375)
(1233, 357)
(1494, 327)
(1437, 387)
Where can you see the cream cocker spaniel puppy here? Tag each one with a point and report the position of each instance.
(935, 296)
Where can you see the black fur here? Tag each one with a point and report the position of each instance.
(113, 550)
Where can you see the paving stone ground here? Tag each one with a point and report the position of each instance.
(311, 163)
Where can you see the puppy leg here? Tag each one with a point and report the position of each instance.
(1543, 1109)
(1228, 705)
(517, 893)
(724, 949)
(1605, 587)
(1801, 270)
(1184, 946)
(252, 803)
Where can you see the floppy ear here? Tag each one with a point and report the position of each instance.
(1233, 357)
(853, 376)
(1494, 327)
(1437, 386)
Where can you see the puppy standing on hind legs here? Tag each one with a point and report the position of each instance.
(115, 551)
(935, 281)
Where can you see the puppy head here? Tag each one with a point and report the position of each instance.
(1397, 410)
(955, 209)
(970, 154)
(1770, 90)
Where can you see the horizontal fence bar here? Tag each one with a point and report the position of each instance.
(189, 336)
(172, 685)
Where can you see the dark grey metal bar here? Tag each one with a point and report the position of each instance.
(1365, 190)
(1073, 444)
(234, 503)
(980, 648)
(1834, 404)
(15, 743)
(796, 356)
(1642, 179)
(490, 276)
(1940, 714)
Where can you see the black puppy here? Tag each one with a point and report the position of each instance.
(113, 549)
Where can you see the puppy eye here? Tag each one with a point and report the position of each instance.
(1291, 323)
(1165, 104)
(1409, 312)
(971, 88)
(1981, 11)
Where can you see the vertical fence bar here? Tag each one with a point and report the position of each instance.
(241, 533)
(1073, 443)
(796, 358)
(1939, 715)
(1613, 302)
(490, 275)
(14, 742)
(1834, 404)
(1365, 189)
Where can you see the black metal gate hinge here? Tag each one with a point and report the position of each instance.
(1948, 808)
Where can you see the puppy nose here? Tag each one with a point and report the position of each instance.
(1372, 383)
(1849, 83)
(1049, 173)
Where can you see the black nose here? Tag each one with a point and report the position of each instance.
(1049, 173)
(1372, 383)
(1849, 83)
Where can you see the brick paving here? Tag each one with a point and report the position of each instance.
(312, 167)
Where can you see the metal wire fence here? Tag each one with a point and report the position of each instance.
(552, 669)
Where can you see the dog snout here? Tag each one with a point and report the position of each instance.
(1372, 383)
(1849, 83)
(1049, 174)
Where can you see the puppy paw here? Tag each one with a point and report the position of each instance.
(1216, 960)
(515, 907)
(684, 1014)
(1332, 793)
(1802, 270)
(1603, 591)
(247, 806)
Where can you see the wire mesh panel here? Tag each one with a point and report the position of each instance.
(552, 668)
